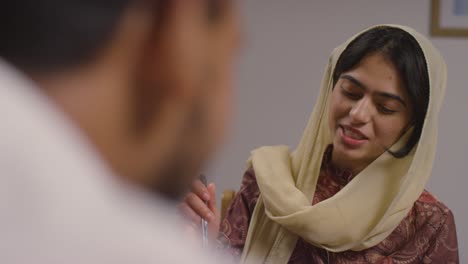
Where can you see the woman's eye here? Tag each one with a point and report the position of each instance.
(351, 95)
(385, 110)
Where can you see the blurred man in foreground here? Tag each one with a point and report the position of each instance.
(107, 109)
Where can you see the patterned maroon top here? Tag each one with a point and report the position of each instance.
(426, 235)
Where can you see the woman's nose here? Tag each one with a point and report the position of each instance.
(361, 112)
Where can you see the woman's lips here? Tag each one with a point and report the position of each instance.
(352, 137)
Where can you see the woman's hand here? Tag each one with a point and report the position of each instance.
(199, 203)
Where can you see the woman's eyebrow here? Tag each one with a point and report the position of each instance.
(364, 87)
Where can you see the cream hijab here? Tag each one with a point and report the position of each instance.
(366, 210)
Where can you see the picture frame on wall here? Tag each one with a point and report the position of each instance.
(449, 18)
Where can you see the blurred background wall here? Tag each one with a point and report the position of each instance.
(286, 46)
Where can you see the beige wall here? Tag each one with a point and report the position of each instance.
(287, 44)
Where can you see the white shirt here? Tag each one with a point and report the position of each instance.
(59, 203)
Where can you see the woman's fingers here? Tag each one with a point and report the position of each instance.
(200, 190)
(201, 203)
(212, 204)
(199, 206)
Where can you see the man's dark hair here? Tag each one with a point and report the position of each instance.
(45, 35)
(404, 52)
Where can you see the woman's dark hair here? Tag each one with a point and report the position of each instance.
(404, 52)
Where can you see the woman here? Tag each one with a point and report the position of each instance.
(353, 190)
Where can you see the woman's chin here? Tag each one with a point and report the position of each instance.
(349, 155)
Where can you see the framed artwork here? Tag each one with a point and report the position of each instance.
(449, 18)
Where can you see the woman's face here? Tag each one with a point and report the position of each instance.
(369, 111)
